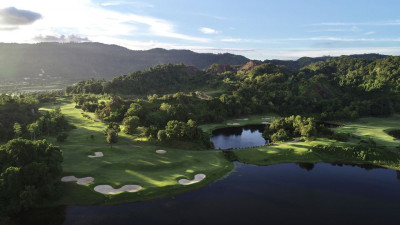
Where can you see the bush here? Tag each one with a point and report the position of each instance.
(281, 135)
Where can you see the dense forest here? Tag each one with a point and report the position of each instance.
(338, 88)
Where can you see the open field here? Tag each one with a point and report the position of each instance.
(128, 162)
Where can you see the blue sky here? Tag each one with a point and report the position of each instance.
(257, 29)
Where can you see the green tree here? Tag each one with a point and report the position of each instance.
(17, 130)
(29, 174)
(112, 137)
(130, 124)
(34, 130)
(162, 135)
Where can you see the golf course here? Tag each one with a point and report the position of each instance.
(156, 170)
(132, 161)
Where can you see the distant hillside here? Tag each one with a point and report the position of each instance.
(77, 61)
(159, 79)
(305, 61)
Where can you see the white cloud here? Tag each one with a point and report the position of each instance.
(61, 38)
(352, 29)
(14, 16)
(376, 23)
(369, 33)
(344, 39)
(206, 30)
(136, 4)
(234, 40)
(89, 19)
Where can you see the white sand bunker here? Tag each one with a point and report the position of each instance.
(96, 155)
(265, 123)
(243, 119)
(197, 178)
(161, 151)
(397, 140)
(233, 124)
(108, 190)
(266, 118)
(80, 181)
(357, 134)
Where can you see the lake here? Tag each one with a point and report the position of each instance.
(238, 137)
(289, 193)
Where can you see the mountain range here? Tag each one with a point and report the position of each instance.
(72, 62)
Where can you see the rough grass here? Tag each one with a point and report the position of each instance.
(128, 162)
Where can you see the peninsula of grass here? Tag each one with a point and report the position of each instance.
(360, 131)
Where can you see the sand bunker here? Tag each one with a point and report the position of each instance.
(357, 134)
(96, 155)
(80, 181)
(266, 118)
(243, 119)
(197, 178)
(108, 190)
(161, 151)
(233, 124)
(397, 140)
(265, 123)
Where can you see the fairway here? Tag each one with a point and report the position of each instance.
(375, 128)
(129, 162)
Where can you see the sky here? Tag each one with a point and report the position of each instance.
(257, 29)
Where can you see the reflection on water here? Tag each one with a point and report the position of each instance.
(306, 166)
(302, 193)
(238, 137)
(43, 216)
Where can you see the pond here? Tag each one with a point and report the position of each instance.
(290, 193)
(238, 137)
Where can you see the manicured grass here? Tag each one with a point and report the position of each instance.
(128, 162)
(375, 128)
(253, 119)
(282, 153)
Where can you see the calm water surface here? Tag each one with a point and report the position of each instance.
(279, 194)
(238, 137)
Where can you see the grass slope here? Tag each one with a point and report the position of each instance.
(128, 162)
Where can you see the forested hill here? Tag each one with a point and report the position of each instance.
(305, 61)
(77, 61)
